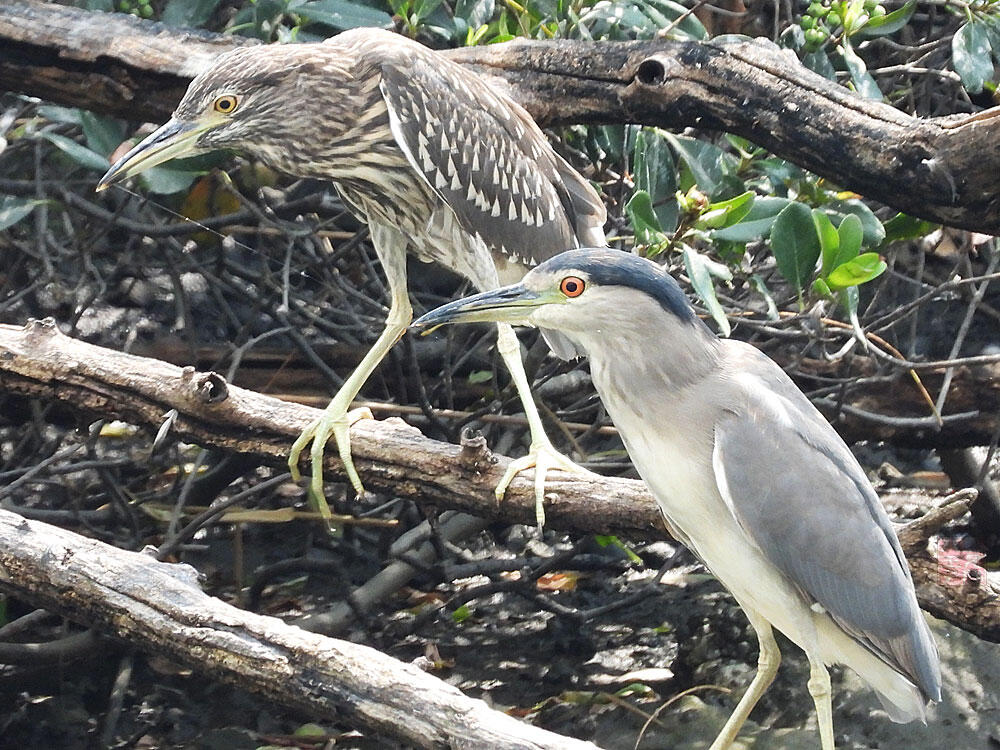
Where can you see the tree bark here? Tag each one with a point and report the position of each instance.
(159, 607)
(39, 361)
(390, 455)
(944, 169)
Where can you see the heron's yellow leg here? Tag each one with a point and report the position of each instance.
(819, 689)
(542, 455)
(337, 418)
(767, 667)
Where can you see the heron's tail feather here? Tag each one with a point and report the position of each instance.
(902, 699)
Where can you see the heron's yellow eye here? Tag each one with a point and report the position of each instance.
(572, 286)
(226, 104)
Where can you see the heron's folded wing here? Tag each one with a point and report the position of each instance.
(799, 493)
(488, 160)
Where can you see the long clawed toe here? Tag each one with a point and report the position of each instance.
(542, 457)
(337, 424)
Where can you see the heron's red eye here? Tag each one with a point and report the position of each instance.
(226, 104)
(572, 286)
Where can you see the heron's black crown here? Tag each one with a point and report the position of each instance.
(607, 267)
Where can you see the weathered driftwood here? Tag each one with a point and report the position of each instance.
(159, 608)
(390, 455)
(944, 169)
(38, 361)
(948, 586)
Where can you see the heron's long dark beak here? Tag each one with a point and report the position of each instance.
(174, 139)
(511, 304)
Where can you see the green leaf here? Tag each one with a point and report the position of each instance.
(690, 28)
(726, 213)
(854, 17)
(167, 181)
(424, 8)
(863, 82)
(781, 173)
(819, 62)
(829, 240)
(644, 222)
(874, 232)
(103, 134)
(758, 284)
(860, 270)
(904, 227)
(707, 162)
(66, 115)
(795, 244)
(970, 55)
(13, 209)
(992, 25)
(852, 235)
(474, 36)
(890, 23)
(793, 38)
(634, 688)
(480, 376)
(78, 152)
(310, 730)
(627, 19)
(610, 540)
(341, 14)
(849, 299)
(476, 13)
(701, 270)
(609, 141)
(461, 614)
(845, 243)
(192, 13)
(756, 224)
(654, 171)
(820, 288)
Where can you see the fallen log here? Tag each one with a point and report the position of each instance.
(159, 608)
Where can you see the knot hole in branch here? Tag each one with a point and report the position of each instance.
(651, 71)
(213, 388)
(474, 450)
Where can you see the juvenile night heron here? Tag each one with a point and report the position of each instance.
(748, 474)
(424, 151)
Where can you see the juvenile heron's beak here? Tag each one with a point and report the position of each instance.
(511, 304)
(174, 139)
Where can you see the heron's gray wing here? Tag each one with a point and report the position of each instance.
(800, 494)
(486, 158)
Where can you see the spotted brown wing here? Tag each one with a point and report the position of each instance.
(488, 160)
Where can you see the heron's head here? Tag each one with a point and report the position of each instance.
(266, 101)
(597, 298)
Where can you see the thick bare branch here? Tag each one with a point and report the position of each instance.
(943, 169)
(949, 586)
(39, 361)
(160, 608)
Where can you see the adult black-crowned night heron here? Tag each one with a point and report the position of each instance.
(748, 474)
(422, 149)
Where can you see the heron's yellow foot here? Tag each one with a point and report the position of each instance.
(336, 422)
(543, 457)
